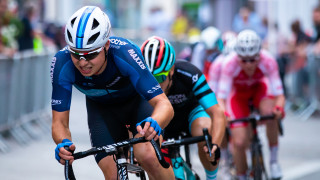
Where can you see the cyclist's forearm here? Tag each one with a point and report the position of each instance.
(60, 126)
(280, 101)
(163, 110)
(218, 124)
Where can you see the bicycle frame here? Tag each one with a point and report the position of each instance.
(180, 166)
(258, 167)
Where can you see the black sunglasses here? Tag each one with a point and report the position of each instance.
(86, 56)
(248, 60)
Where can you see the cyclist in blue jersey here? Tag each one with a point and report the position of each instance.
(111, 72)
(194, 103)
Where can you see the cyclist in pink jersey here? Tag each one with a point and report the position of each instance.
(250, 75)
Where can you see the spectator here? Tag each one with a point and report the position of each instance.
(299, 42)
(158, 22)
(248, 19)
(180, 26)
(316, 29)
(9, 30)
(316, 23)
(25, 40)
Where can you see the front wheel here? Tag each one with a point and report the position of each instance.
(258, 169)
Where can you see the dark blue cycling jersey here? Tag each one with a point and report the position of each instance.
(125, 75)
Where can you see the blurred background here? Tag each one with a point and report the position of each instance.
(32, 31)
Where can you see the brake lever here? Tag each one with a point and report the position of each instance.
(208, 140)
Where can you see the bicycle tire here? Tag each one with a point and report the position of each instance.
(258, 169)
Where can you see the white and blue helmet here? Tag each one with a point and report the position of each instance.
(87, 29)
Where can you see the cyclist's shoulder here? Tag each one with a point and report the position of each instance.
(63, 54)
(230, 63)
(186, 68)
(187, 73)
(121, 44)
(267, 61)
(61, 58)
(266, 55)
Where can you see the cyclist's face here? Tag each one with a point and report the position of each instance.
(91, 64)
(166, 84)
(249, 64)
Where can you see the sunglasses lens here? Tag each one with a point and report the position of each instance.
(77, 56)
(248, 60)
(87, 57)
(160, 78)
(91, 56)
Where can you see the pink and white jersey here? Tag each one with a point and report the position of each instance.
(214, 72)
(233, 77)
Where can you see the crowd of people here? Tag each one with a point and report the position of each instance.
(160, 93)
(20, 30)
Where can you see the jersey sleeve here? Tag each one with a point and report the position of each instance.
(130, 63)
(215, 72)
(272, 73)
(226, 77)
(61, 78)
(201, 89)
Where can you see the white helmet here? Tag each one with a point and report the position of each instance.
(87, 29)
(248, 43)
(211, 37)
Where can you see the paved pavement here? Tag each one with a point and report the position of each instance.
(299, 151)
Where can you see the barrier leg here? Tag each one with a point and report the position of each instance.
(3, 146)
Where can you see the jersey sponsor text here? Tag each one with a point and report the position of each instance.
(136, 58)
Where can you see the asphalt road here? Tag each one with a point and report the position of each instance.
(299, 151)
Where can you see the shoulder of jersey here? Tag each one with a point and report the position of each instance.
(230, 62)
(118, 42)
(181, 63)
(63, 54)
(268, 61)
(266, 54)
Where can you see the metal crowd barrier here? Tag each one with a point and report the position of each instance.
(304, 87)
(24, 97)
(313, 67)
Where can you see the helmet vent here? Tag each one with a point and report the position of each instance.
(72, 21)
(95, 24)
(93, 38)
(69, 36)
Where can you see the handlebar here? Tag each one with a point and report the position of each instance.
(253, 119)
(191, 140)
(110, 150)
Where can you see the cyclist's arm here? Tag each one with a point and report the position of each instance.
(162, 114)
(279, 103)
(163, 110)
(276, 85)
(218, 123)
(60, 126)
(60, 132)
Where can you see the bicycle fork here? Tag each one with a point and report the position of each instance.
(257, 160)
(121, 168)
